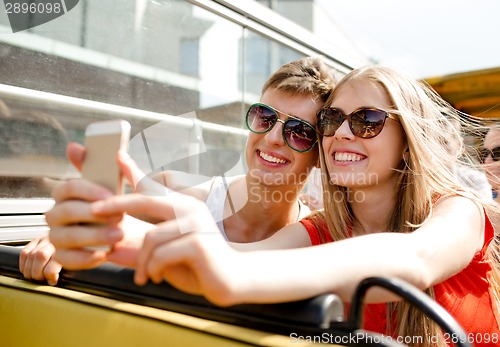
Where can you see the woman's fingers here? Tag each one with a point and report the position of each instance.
(169, 231)
(162, 208)
(166, 258)
(51, 272)
(76, 154)
(25, 254)
(77, 212)
(36, 261)
(182, 214)
(151, 257)
(39, 258)
(125, 254)
(27, 258)
(81, 190)
(74, 228)
(140, 182)
(189, 212)
(74, 259)
(80, 236)
(126, 251)
(132, 173)
(197, 263)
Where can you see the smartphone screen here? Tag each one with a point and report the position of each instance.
(103, 140)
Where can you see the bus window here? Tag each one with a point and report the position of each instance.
(169, 67)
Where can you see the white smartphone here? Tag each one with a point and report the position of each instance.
(103, 140)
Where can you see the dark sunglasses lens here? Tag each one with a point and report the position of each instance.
(367, 123)
(300, 136)
(261, 118)
(329, 120)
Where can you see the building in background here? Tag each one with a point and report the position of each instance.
(150, 60)
(168, 56)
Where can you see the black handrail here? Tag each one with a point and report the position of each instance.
(413, 295)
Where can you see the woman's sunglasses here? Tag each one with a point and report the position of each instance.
(364, 122)
(495, 154)
(298, 134)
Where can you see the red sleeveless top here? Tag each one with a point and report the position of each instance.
(467, 296)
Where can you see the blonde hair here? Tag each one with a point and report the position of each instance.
(436, 150)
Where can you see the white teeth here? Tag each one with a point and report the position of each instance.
(347, 157)
(271, 159)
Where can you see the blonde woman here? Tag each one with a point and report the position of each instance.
(393, 208)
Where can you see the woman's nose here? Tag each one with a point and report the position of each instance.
(344, 131)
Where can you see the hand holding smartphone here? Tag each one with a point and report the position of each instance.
(103, 140)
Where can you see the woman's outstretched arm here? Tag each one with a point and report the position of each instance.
(201, 262)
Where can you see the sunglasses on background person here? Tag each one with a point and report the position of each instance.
(486, 152)
(298, 134)
(365, 123)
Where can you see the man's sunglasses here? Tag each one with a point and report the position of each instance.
(298, 134)
(364, 122)
(495, 154)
